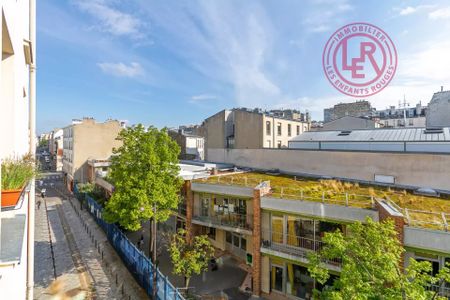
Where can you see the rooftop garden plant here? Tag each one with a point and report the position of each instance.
(17, 172)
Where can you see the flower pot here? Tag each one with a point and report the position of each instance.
(10, 197)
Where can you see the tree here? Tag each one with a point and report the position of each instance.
(371, 258)
(190, 258)
(146, 180)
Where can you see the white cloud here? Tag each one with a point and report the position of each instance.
(121, 69)
(226, 43)
(442, 13)
(111, 19)
(202, 98)
(325, 14)
(408, 10)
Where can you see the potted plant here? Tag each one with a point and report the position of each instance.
(15, 175)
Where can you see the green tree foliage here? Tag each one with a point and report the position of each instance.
(145, 175)
(371, 258)
(189, 259)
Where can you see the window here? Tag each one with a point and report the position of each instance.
(211, 233)
(298, 129)
(268, 127)
(279, 144)
(279, 128)
(289, 130)
(228, 237)
(243, 244)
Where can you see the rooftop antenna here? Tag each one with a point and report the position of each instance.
(403, 105)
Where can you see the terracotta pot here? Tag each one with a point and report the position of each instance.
(10, 197)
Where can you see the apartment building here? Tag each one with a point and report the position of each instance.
(438, 114)
(272, 221)
(192, 146)
(361, 108)
(250, 129)
(398, 117)
(86, 139)
(18, 137)
(55, 147)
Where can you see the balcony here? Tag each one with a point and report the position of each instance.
(293, 247)
(242, 223)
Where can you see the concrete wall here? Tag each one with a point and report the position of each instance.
(318, 210)
(248, 130)
(214, 130)
(92, 140)
(265, 274)
(438, 113)
(414, 169)
(349, 123)
(421, 238)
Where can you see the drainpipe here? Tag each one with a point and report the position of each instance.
(32, 135)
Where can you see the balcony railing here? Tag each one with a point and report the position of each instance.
(443, 291)
(232, 220)
(292, 245)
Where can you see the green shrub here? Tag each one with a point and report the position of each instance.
(17, 172)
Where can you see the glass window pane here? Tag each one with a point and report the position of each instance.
(243, 244)
(236, 240)
(277, 278)
(228, 237)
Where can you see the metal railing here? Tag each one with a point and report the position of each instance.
(329, 197)
(293, 245)
(443, 291)
(135, 260)
(243, 221)
(231, 180)
(427, 219)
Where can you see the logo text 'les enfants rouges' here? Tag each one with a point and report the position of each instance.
(359, 59)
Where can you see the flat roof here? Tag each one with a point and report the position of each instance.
(427, 211)
(418, 134)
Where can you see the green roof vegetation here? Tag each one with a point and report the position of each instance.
(425, 211)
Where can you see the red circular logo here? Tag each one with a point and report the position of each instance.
(359, 59)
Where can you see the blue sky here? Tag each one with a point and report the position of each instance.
(169, 63)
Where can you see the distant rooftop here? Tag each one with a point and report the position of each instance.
(381, 134)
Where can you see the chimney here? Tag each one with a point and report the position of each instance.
(442, 88)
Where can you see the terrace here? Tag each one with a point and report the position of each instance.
(419, 210)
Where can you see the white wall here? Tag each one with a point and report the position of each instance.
(14, 82)
(413, 169)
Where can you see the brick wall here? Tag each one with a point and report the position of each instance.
(257, 242)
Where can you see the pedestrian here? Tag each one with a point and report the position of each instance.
(39, 204)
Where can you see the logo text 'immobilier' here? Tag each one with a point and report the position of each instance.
(359, 59)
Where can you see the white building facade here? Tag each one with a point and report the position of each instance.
(17, 133)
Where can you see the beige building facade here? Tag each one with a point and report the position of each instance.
(244, 129)
(86, 139)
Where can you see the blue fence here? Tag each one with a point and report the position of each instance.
(137, 263)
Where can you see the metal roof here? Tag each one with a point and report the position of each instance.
(369, 135)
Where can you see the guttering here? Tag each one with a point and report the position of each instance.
(32, 135)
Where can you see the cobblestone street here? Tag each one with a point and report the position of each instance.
(70, 247)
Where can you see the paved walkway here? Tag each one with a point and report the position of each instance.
(71, 247)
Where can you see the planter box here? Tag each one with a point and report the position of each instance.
(11, 197)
